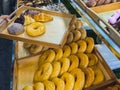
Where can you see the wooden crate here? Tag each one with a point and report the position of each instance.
(56, 30)
(25, 68)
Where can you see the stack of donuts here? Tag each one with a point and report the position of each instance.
(73, 67)
(93, 3)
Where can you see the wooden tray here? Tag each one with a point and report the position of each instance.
(56, 30)
(25, 68)
(102, 20)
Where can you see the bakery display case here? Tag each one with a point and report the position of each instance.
(75, 45)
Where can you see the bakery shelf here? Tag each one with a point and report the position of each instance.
(96, 28)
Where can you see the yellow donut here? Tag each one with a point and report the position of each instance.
(47, 56)
(49, 85)
(83, 33)
(43, 73)
(77, 35)
(59, 83)
(35, 29)
(56, 69)
(70, 38)
(59, 54)
(65, 63)
(89, 77)
(80, 78)
(69, 80)
(82, 45)
(39, 86)
(66, 51)
(34, 49)
(90, 44)
(83, 60)
(93, 59)
(74, 47)
(74, 62)
(28, 88)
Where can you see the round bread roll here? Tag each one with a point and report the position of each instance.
(15, 29)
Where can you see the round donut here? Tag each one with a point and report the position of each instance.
(80, 78)
(65, 63)
(43, 73)
(76, 35)
(47, 56)
(56, 69)
(100, 2)
(66, 51)
(78, 24)
(59, 54)
(83, 33)
(35, 29)
(74, 47)
(59, 83)
(27, 45)
(39, 86)
(82, 45)
(49, 85)
(45, 48)
(74, 62)
(69, 80)
(93, 59)
(34, 49)
(28, 88)
(90, 44)
(70, 38)
(15, 29)
(73, 27)
(83, 60)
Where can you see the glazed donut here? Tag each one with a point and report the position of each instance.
(73, 27)
(45, 48)
(83, 33)
(82, 45)
(56, 69)
(34, 49)
(59, 53)
(90, 44)
(59, 83)
(76, 35)
(43, 73)
(83, 60)
(35, 29)
(28, 20)
(93, 59)
(91, 3)
(70, 38)
(27, 45)
(89, 77)
(78, 24)
(100, 2)
(47, 56)
(66, 51)
(65, 63)
(80, 78)
(39, 86)
(74, 47)
(49, 85)
(28, 88)
(69, 80)
(15, 29)
(74, 62)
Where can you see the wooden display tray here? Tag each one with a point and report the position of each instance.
(25, 68)
(56, 30)
(100, 15)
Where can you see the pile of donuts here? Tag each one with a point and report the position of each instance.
(73, 67)
(31, 22)
(93, 3)
(114, 20)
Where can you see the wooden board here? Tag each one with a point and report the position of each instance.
(56, 30)
(25, 68)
